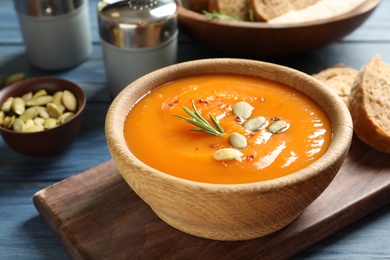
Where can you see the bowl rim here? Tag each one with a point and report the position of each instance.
(22, 83)
(363, 8)
(115, 137)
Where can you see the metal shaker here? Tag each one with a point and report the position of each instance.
(56, 33)
(138, 36)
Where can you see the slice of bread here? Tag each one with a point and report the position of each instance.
(339, 79)
(265, 10)
(233, 8)
(369, 103)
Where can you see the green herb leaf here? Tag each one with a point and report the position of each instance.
(198, 120)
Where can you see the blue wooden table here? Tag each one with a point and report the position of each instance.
(24, 234)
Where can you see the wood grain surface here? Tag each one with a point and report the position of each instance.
(95, 215)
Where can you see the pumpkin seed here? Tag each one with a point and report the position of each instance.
(65, 117)
(41, 92)
(26, 97)
(2, 116)
(238, 141)
(6, 106)
(18, 105)
(28, 123)
(227, 154)
(57, 97)
(33, 128)
(9, 121)
(255, 123)
(50, 123)
(53, 110)
(18, 125)
(43, 113)
(39, 100)
(30, 113)
(15, 78)
(278, 126)
(38, 121)
(243, 110)
(69, 100)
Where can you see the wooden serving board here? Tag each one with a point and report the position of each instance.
(95, 215)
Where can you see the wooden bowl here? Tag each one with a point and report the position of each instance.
(50, 141)
(256, 39)
(229, 211)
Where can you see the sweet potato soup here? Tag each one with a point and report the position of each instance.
(157, 134)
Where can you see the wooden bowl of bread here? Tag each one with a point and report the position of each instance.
(220, 209)
(257, 28)
(365, 91)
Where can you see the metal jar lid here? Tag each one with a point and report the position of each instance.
(137, 23)
(46, 7)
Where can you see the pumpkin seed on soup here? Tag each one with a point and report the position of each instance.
(278, 126)
(255, 123)
(227, 154)
(238, 141)
(243, 110)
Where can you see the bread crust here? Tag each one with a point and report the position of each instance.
(339, 79)
(239, 8)
(265, 10)
(369, 104)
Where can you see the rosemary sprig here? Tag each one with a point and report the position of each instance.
(198, 120)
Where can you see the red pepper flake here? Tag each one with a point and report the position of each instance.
(275, 118)
(250, 157)
(204, 101)
(238, 119)
(261, 99)
(212, 145)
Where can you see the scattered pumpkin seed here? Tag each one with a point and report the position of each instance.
(278, 126)
(254, 124)
(243, 110)
(238, 141)
(15, 78)
(227, 154)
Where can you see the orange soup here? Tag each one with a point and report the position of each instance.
(163, 141)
